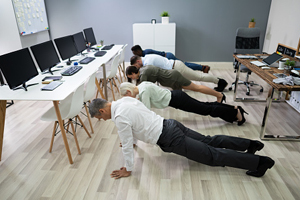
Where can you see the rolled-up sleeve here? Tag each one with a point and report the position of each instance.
(126, 137)
(145, 98)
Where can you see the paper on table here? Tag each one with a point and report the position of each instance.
(258, 63)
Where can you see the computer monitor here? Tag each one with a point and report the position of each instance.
(66, 47)
(45, 56)
(79, 41)
(89, 36)
(1, 78)
(18, 68)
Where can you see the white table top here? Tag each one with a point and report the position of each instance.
(70, 83)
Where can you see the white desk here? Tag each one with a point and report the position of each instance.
(70, 84)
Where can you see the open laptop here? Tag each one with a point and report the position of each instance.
(268, 61)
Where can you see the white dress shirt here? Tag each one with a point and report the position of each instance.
(157, 61)
(154, 96)
(134, 120)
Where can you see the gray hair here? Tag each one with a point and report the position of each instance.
(96, 105)
(126, 86)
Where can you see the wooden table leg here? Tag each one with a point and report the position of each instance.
(2, 123)
(62, 129)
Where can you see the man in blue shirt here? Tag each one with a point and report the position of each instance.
(138, 51)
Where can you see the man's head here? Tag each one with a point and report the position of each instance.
(132, 73)
(100, 108)
(136, 61)
(137, 50)
(128, 89)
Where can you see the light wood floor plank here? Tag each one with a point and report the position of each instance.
(29, 171)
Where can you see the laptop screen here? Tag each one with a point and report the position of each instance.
(272, 58)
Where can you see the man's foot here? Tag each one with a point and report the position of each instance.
(255, 146)
(205, 68)
(265, 163)
(221, 85)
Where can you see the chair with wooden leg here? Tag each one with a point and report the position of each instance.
(69, 109)
(89, 93)
(111, 75)
(122, 62)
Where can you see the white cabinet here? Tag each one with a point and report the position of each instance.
(160, 37)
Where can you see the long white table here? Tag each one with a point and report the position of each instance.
(70, 84)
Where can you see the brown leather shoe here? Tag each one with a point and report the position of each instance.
(205, 68)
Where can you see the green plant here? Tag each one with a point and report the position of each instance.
(290, 63)
(252, 20)
(165, 14)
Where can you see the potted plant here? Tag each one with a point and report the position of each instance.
(288, 66)
(252, 23)
(165, 17)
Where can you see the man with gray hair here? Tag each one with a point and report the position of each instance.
(134, 120)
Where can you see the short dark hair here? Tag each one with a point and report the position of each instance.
(130, 70)
(96, 105)
(136, 48)
(133, 59)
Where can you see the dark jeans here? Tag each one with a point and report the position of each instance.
(182, 101)
(219, 150)
(193, 66)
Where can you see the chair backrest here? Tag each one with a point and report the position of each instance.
(122, 52)
(90, 88)
(114, 66)
(247, 41)
(76, 103)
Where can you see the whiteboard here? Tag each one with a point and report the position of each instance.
(31, 16)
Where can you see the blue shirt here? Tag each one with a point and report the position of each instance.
(151, 51)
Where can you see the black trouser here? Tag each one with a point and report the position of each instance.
(219, 150)
(182, 101)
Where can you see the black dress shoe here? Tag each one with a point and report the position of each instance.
(265, 163)
(255, 146)
(221, 85)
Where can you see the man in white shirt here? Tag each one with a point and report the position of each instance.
(134, 121)
(188, 73)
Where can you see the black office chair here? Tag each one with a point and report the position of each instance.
(246, 42)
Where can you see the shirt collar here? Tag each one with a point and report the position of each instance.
(113, 110)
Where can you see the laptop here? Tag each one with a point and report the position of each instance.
(268, 61)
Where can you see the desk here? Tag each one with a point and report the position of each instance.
(266, 75)
(71, 83)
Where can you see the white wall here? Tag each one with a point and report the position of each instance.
(205, 29)
(9, 34)
(10, 39)
(283, 25)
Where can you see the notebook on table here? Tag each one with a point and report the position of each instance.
(51, 86)
(268, 61)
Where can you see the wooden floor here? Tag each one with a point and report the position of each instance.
(29, 171)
